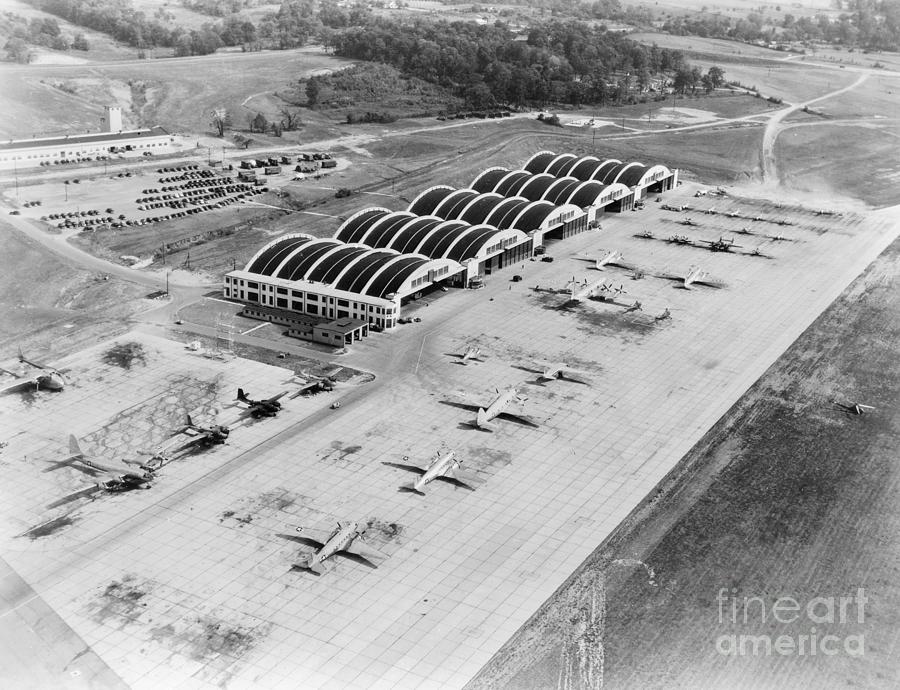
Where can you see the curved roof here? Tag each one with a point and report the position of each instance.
(351, 267)
(562, 189)
(560, 166)
(427, 201)
(629, 171)
(504, 213)
(454, 204)
(356, 225)
(274, 253)
(487, 180)
(535, 188)
(512, 182)
(479, 208)
(538, 162)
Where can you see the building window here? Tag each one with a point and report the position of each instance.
(343, 303)
(281, 291)
(312, 297)
(252, 286)
(281, 303)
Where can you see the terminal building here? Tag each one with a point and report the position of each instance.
(380, 259)
(23, 153)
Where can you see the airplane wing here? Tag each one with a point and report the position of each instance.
(315, 535)
(75, 496)
(519, 419)
(576, 376)
(303, 388)
(462, 479)
(461, 405)
(18, 385)
(277, 397)
(408, 468)
(360, 548)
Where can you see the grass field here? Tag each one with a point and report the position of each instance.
(817, 159)
(787, 496)
(180, 94)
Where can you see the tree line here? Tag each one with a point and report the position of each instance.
(40, 31)
(869, 24)
(559, 61)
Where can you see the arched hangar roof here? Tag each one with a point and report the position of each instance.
(431, 236)
(350, 267)
(610, 171)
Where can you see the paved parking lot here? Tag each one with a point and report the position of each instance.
(193, 584)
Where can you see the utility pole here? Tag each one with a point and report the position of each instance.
(16, 175)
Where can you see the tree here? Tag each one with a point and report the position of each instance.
(17, 50)
(312, 92)
(79, 42)
(259, 123)
(220, 119)
(716, 76)
(290, 119)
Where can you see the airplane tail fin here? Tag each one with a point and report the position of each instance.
(411, 488)
(190, 422)
(482, 421)
(316, 566)
(241, 395)
(74, 446)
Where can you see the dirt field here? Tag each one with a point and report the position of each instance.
(806, 157)
(787, 496)
(176, 94)
(49, 308)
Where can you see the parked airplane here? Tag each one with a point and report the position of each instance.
(855, 408)
(202, 436)
(316, 384)
(117, 479)
(472, 352)
(722, 244)
(345, 539)
(688, 221)
(637, 306)
(260, 408)
(444, 468)
(46, 377)
(694, 275)
(609, 258)
(560, 370)
(497, 408)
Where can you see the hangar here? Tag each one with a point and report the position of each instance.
(591, 195)
(638, 177)
(481, 248)
(331, 279)
(378, 259)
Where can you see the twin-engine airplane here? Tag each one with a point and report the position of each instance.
(346, 539)
(446, 468)
(46, 377)
(497, 408)
(560, 370)
(472, 352)
(260, 408)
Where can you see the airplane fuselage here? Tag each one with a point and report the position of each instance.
(339, 541)
(439, 468)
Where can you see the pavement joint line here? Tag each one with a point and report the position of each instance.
(255, 328)
(19, 605)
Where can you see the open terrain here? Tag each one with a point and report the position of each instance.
(788, 495)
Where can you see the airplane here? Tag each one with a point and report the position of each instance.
(497, 409)
(637, 306)
(679, 239)
(720, 245)
(472, 352)
(315, 384)
(117, 479)
(745, 231)
(77, 457)
(734, 214)
(855, 408)
(645, 234)
(665, 315)
(785, 222)
(345, 539)
(203, 436)
(444, 468)
(47, 378)
(688, 221)
(608, 259)
(260, 408)
(560, 370)
(694, 275)
(711, 211)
